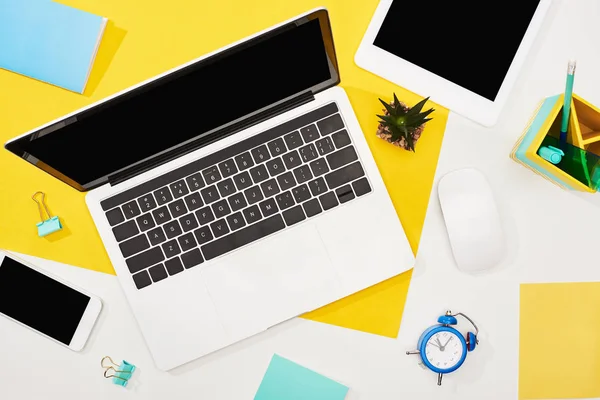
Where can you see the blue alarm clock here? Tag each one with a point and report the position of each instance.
(442, 348)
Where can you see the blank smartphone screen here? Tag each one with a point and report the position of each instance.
(471, 44)
(40, 302)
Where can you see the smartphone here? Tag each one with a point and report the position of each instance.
(53, 308)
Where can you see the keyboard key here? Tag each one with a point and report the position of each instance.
(301, 193)
(270, 187)
(226, 187)
(244, 161)
(203, 235)
(158, 273)
(344, 175)
(293, 215)
(252, 214)
(211, 175)
(344, 193)
(147, 202)
(237, 202)
(292, 159)
(188, 222)
(221, 208)
(125, 231)
(193, 201)
(179, 189)
(284, 200)
(253, 194)
(115, 216)
(142, 280)
(236, 221)
(342, 157)
(145, 222)
(134, 245)
(144, 260)
(174, 266)
(210, 194)
(177, 208)
(260, 154)
(205, 215)
(163, 196)
(192, 258)
(293, 140)
(172, 229)
(341, 139)
(317, 187)
(228, 168)
(131, 209)
(312, 208)
(277, 147)
(319, 167)
(243, 237)
(330, 124)
(302, 174)
(187, 241)
(156, 236)
(361, 187)
(328, 200)
(308, 153)
(286, 181)
(324, 146)
(243, 181)
(161, 215)
(171, 248)
(309, 133)
(219, 228)
(195, 182)
(268, 207)
(275, 167)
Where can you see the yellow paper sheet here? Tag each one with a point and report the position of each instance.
(146, 38)
(559, 350)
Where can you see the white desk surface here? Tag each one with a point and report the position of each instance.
(534, 212)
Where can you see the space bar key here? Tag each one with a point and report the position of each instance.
(242, 237)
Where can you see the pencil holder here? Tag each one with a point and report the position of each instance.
(574, 165)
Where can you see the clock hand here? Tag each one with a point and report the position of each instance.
(433, 344)
(448, 342)
(440, 344)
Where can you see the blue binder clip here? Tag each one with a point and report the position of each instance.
(120, 374)
(46, 226)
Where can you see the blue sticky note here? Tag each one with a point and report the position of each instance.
(49, 41)
(286, 380)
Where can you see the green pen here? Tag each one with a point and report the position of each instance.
(567, 101)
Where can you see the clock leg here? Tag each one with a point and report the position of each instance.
(440, 379)
(408, 353)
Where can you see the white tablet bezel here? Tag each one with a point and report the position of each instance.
(441, 90)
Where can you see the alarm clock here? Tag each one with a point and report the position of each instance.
(442, 348)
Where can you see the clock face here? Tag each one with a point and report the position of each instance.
(444, 350)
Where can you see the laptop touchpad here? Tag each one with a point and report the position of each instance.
(273, 280)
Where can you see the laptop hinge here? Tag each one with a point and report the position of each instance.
(211, 138)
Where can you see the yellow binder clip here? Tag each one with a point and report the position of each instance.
(45, 226)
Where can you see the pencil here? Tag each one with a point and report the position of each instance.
(567, 101)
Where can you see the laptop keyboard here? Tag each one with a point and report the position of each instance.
(238, 195)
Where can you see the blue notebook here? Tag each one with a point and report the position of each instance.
(49, 41)
(286, 380)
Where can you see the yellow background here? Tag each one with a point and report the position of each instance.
(559, 343)
(145, 38)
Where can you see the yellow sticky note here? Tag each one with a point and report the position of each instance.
(559, 350)
(145, 39)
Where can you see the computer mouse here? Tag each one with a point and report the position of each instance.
(472, 220)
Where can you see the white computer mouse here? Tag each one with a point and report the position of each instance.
(472, 220)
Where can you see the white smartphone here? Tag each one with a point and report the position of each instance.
(46, 304)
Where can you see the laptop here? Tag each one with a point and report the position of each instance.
(231, 193)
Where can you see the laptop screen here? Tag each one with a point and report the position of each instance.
(85, 148)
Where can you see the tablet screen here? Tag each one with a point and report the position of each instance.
(471, 44)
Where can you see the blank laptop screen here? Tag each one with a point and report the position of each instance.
(186, 104)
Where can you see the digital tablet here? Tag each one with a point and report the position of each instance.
(465, 55)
